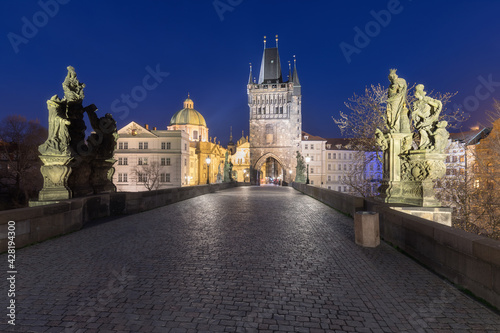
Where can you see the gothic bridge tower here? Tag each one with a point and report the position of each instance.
(275, 119)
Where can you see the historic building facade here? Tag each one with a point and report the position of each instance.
(275, 112)
(182, 155)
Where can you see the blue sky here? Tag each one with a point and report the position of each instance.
(448, 46)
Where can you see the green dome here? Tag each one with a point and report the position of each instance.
(188, 116)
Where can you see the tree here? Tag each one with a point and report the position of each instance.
(367, 113)
(148, 175)
(20, 174)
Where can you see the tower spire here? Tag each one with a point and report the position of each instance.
(276, 41)
(265, 42)
(289, 71)
(296, 81)
(230, 133)
(250, 76)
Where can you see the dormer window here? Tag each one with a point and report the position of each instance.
(306, 137)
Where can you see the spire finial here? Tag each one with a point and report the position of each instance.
(230, 133)
(294, 60)
(289, 70)
(276, 41)
(188, 94)
(242, 134)
(265, 41)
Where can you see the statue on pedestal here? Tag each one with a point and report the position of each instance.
(409, 170)
(300, 169)
(71, 167)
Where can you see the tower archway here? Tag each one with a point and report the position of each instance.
(269, 169)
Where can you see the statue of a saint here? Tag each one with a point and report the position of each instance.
(397, 112)
(441, 136)
(73, 89)
(381, 140)
(426, 111)
(58, 139)
(105, 133)
(300, 169)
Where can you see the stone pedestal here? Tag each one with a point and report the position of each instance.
(55, 172)
(441, 215)
(419, 169)
(366, 229)
(391, 190)
(101, 176)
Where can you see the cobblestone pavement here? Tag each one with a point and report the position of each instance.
(240, 260)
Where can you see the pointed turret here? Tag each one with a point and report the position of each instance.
(270, 68)
(250, 76)
(295, 77)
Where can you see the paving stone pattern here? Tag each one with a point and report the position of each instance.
(247, 259)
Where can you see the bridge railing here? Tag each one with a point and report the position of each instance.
(36, 224)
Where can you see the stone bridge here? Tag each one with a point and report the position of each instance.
(246, 259)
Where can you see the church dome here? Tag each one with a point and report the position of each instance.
(188, 115)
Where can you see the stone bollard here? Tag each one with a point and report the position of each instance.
(366, 229)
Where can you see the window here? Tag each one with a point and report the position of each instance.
(125, 161)
(281, 110)
(312, 182)
(142, 161)
(334, 156)
(185, 162)
(454, 159)
(312, 157)
(329, 167)
(345, 188)
(306, 146)
(120, 177)
(195, 135)
(140, 145)
(120, 145)
(120, 161)
(462, 159)
(163, 161)
(185, 147)
(145, 145)
(168, 160)
(339, 178)
(345, 167)
(312, 170)
(340, 167)
(142, 177)
(447, 159)
(169, 145)
(165, 178)
(125, 178)
(345, 156)
(350, 156)
(163, 145)
(329, 178)
(312, 146)
(125, 145)
(329, 156)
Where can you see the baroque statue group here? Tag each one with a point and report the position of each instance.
(73, 165)
(412, 160)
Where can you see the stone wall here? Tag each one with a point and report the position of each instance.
(468, 260)
(36, 224)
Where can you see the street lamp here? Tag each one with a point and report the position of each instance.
(244, 175)
(208, 160)
(308, 159)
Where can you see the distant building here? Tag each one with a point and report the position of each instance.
(150, 159)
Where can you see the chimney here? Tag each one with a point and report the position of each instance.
(154, 128)
(147, 126)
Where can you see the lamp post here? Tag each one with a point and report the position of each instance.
(308, 159)
(244, 175)
(208, 160)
